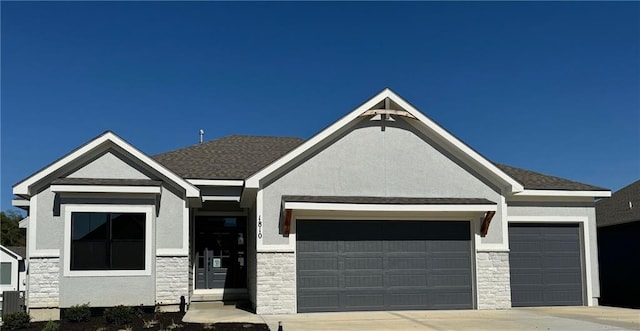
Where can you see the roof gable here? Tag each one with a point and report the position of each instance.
(387, 103)
(103, 142)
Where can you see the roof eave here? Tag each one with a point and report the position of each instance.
(563, 193)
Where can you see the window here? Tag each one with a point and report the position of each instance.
(107, 241)
(5, 273)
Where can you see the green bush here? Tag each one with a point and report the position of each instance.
(78, 313)
(15, 321)
(51, 326)
(118, 315)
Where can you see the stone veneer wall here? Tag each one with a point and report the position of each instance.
(44, 282)
(276, 283)
(494, 282)
(172, 279)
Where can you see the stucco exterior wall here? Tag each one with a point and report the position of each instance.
(397, 161)
(541, 209)
(109, 165)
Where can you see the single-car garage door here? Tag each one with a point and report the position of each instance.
(545, 263)
(383, 265)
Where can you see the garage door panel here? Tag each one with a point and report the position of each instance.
(562, 277)
(450, 299)
(388, 265)
(449, 261)
(525, 261)
(416, 281)
(363, 300)
(366, 246)
(318, 281)
(406, 263)
(411, 246)
(325, 301)
(561, 245)
(409, 300)
(561, 261)
(318, 263)
(545, 264)
(364, 281)
(363, 263)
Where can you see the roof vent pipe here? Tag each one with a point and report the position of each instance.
(201, 135)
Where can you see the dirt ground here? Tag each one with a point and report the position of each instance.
(152, 322)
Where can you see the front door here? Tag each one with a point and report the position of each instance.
(220, 252)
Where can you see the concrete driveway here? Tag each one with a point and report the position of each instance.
(538, 319)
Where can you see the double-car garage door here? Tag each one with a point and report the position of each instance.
(383, 265)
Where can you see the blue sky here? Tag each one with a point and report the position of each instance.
(548, 86)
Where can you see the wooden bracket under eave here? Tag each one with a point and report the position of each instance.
(485, 223)
(287, 222)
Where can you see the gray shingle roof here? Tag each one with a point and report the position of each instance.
(387, 200)
(231, 157)
(617, 210)
(20, 250)
(536, 181)
(238, 157)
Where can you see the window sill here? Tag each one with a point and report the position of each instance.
(106, 273)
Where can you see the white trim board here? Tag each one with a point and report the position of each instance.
(234, 198)
(388, 207)
(216, 182)
(561, 193)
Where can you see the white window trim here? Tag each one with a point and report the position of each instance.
(583, 222)
(149, 220)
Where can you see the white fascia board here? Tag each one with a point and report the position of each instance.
(233, 198)
(216, 182)
(560, 193)
(105, 189)
(385, 207)
(23, 223)
(20, 203)
(254, 180)
(22, 188)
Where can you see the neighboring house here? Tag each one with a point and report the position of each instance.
(382, 210)
(12, 270)
(619, 247)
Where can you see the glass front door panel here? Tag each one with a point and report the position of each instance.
(220, 252)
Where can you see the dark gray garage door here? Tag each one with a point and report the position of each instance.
(546, 268)
(383, 265)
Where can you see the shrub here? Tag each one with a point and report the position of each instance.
(118, 315)
(51, 326)
(16, 320)
(78, 313)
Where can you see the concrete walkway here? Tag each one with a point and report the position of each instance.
(538, 319)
